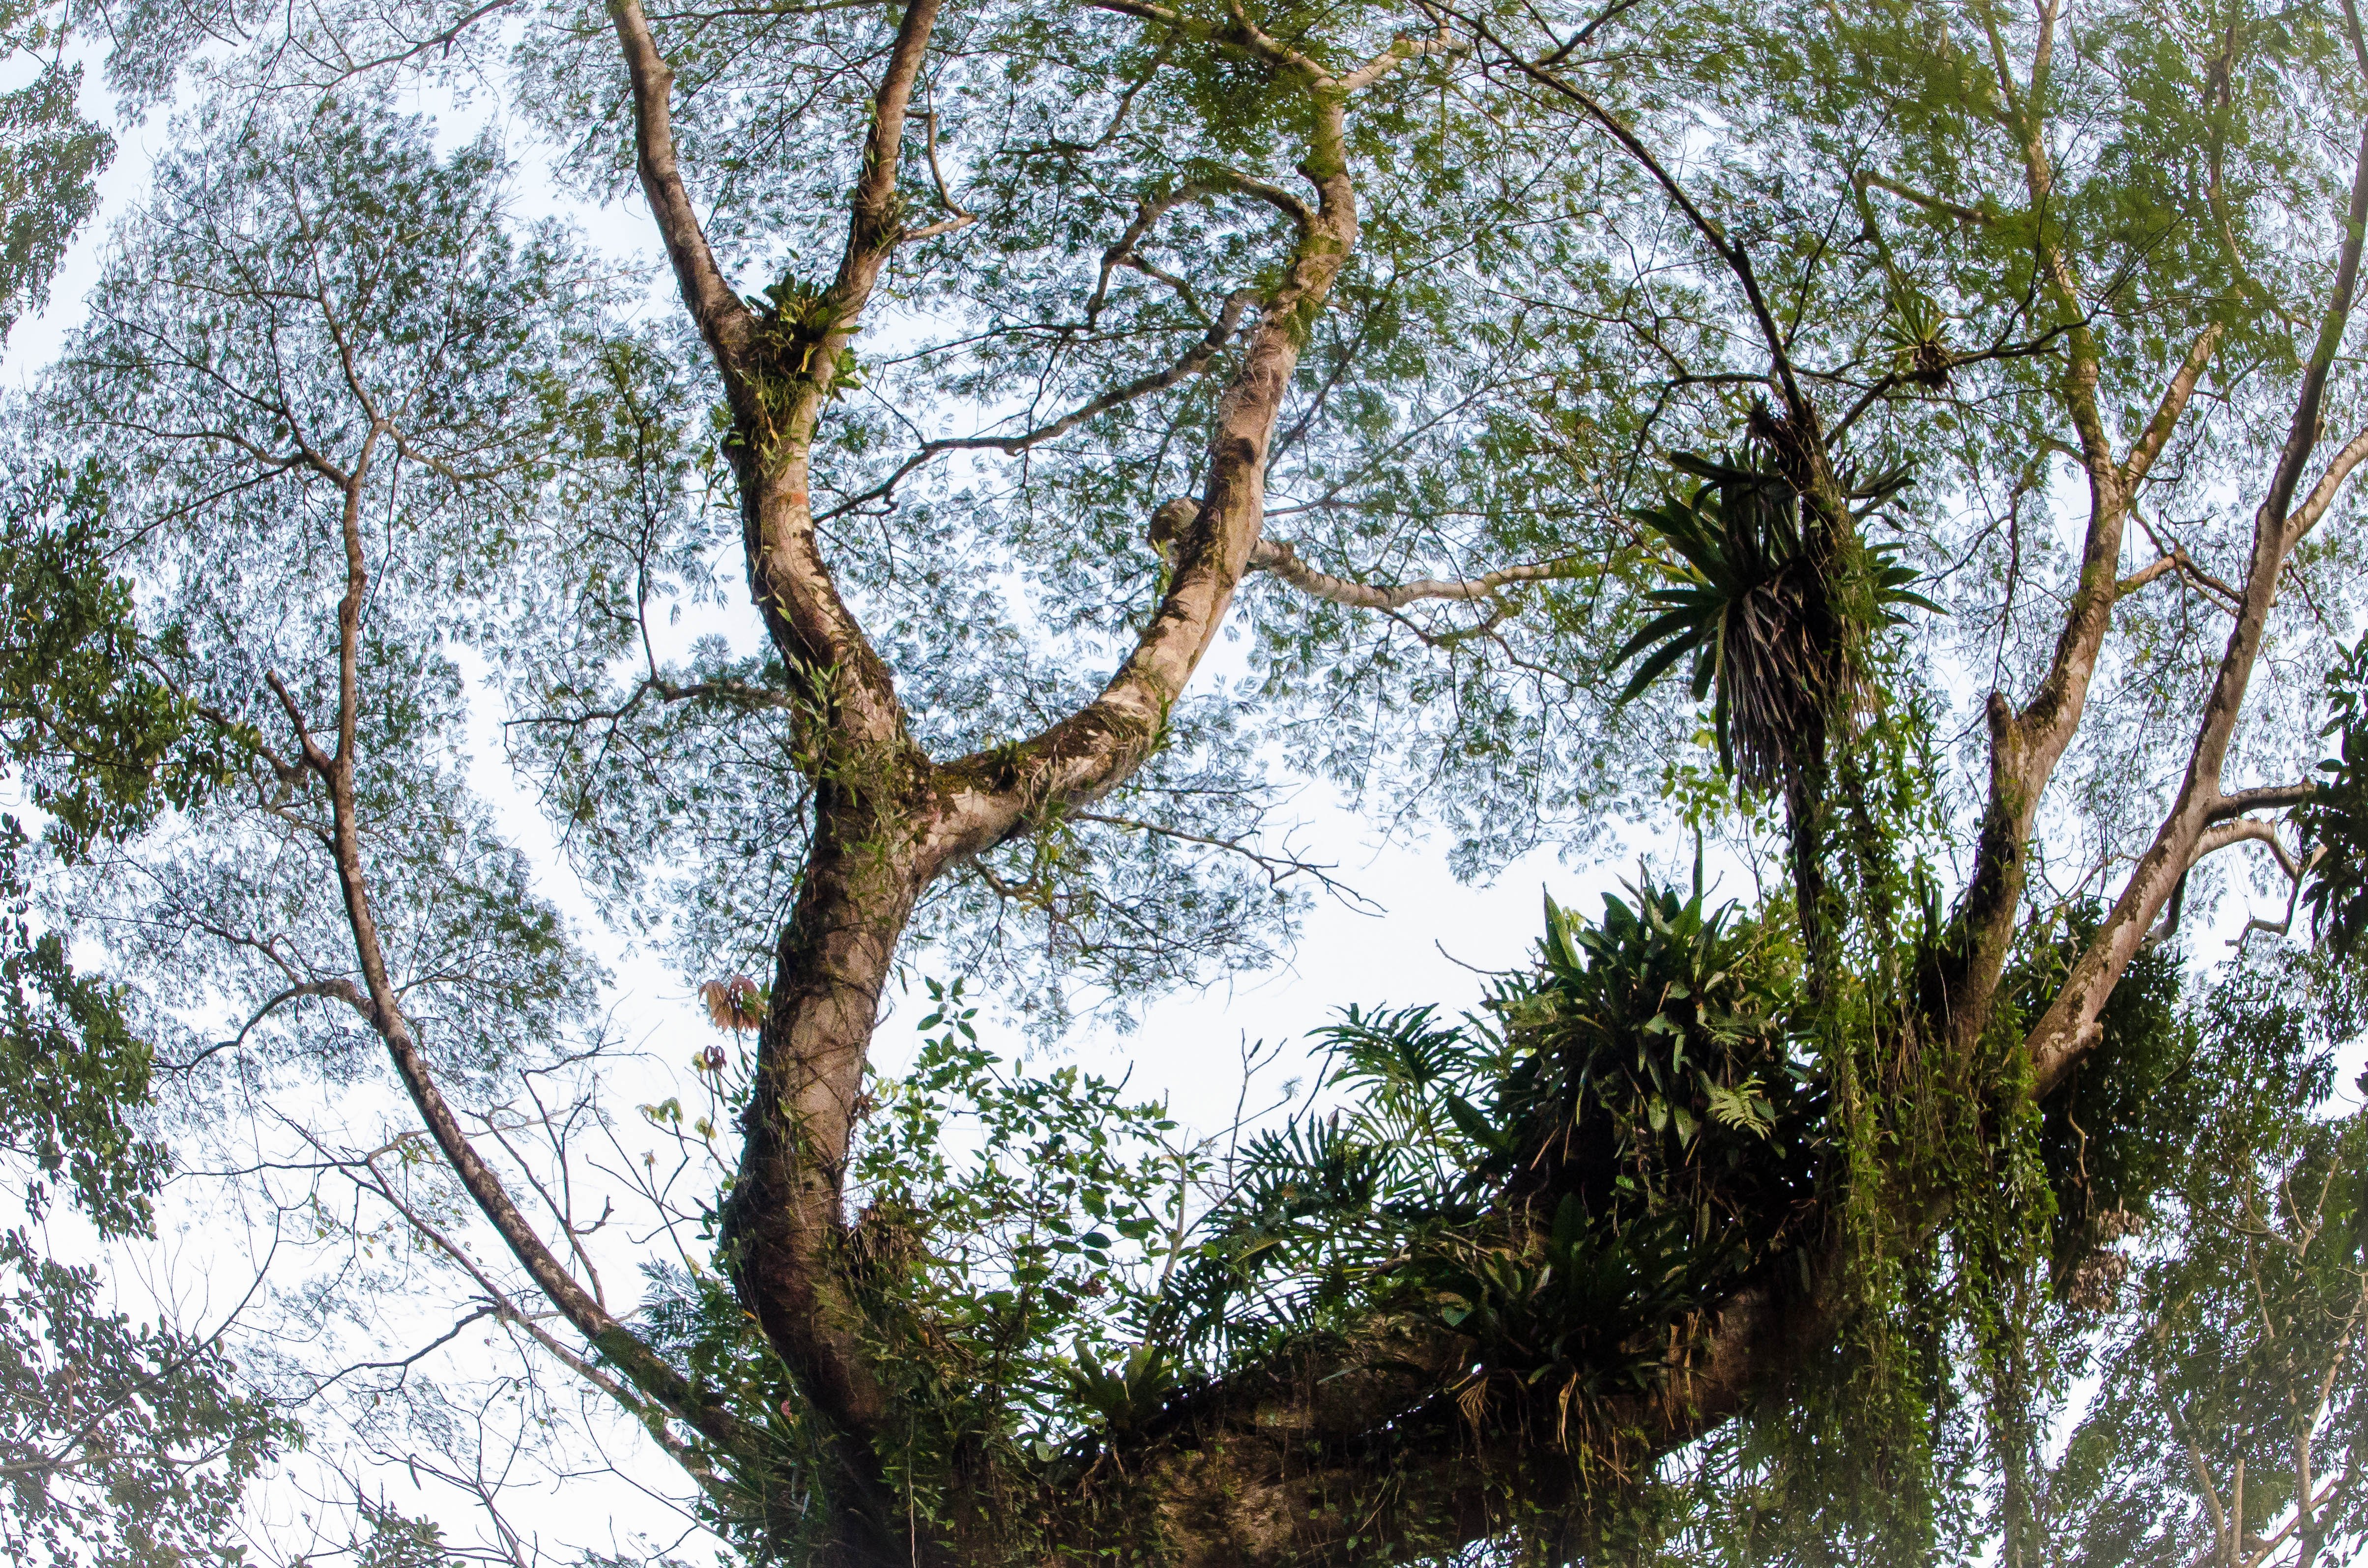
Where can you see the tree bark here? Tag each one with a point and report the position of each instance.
(888, 821)
(1252, 1471)
(782, 1223)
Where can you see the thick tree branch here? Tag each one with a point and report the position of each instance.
(2069, 1027)
(1274, 196)
(871, 792)
(2145, 574)
(722, 319)
(379, 1003)
(776, 386)
(2261, 797)
(648, 1371)
(1249, 1466)
(1079, 758)
(1249, 35)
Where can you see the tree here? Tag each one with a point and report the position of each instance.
(49, 188)
(1435, 348)
(122, 1441)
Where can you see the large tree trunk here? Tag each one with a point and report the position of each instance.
(889, 821)
(783, 1222)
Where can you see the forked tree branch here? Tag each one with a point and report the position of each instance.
(2070, 1026)
(2026, 744)
(887, 821)
(2175, 555)
(777, 388)
(1404, 47)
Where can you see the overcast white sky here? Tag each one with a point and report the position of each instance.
(1425, 947)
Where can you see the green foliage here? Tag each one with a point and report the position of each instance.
(1560, 1181)
(2228, 1359)
(1645, 1120)
(99, 739)
(754, 1500)
(1035, 1213)
(73, 1083)
(99, 745)
(122, 1444)
(49, 158)
(1990, 1246)
(793, 318)
(1622, 1135)
(1655, 1062)
(2334, 822)
(1015, 1233)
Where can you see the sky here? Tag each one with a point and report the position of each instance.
(1420, 936)
(1431, 939)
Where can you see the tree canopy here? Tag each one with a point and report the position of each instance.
(1903, 451)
